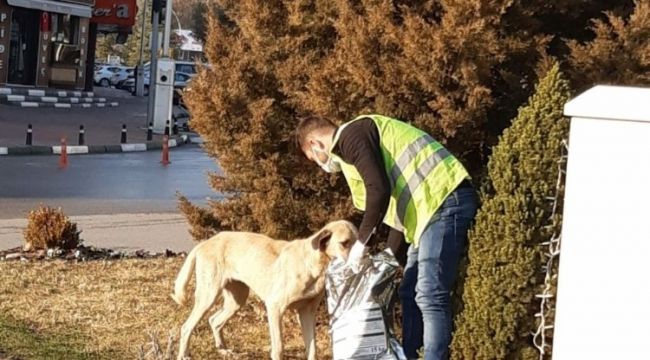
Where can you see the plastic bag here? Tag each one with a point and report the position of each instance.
(359, 305)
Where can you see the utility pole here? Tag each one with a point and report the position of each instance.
(139, 86)
(168, 27)
(155, 21)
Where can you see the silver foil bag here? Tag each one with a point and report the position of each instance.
(359, 306)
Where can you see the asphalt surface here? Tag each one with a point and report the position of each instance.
(104, 183)
(103, 126)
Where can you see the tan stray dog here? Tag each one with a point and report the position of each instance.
(284, 274)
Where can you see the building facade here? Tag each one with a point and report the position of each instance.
(44, 43)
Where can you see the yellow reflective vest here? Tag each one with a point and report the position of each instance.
(422, 173)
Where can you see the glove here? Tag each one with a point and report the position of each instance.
(357, 253)
(389, 252)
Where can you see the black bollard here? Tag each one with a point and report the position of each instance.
(123, 140)
(150, 132)
(82, 135)
(175, 128)
(167, 128)
(28, 137)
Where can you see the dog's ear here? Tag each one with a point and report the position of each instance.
(320, 240)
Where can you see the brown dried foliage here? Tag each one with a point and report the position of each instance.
(458, 69)
(619, 54)
(49, 228)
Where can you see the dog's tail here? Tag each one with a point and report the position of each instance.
(183, 278)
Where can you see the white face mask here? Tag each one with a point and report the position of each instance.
(330, 166)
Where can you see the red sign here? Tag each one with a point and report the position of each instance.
(114, 12)
(45, 21)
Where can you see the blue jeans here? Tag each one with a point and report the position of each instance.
(430, 274)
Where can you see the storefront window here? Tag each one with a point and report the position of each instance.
(65, 29)
(65, 39)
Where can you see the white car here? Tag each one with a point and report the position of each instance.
(104, 73)
(180, 82)
(120, 76)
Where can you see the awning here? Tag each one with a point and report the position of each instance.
(54, 6)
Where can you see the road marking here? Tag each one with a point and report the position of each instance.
(5, 91)
(49, 99)
(71, 149)
(36, 92)
(59, 105)
(133, 147)
(4, 151)
(15, 98)
(28, 104)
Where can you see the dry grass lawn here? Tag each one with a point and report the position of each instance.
(110, 309)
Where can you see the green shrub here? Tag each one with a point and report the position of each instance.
(505, 262)
(49, 228)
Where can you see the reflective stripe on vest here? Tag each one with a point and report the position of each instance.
(417, 178)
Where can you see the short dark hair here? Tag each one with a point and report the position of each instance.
(309, 124)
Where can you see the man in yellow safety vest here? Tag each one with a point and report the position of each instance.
(401, 176)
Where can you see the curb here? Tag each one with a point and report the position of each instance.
(60, 105)
(44, 92)
(50, 99)
(95, 149)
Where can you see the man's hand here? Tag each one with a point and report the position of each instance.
(357, 253)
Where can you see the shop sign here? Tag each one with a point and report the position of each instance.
(114, 12)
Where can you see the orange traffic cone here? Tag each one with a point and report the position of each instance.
(63, 159)
(165, 151)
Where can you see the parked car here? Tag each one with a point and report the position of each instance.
(180, 82)
(104, 74)
(186, 67)
(118, 78)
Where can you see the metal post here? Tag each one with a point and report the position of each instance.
(150, 132)
(167, 128)
(153, 65)
(28, 137)
(175, 127)
(168, 27)
(123, 139)
(144, 19)
(82, 135)
(139, 86)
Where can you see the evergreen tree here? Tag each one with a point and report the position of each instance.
(199, 24)
(505, 262)
(619, 54)
(242, 107)
(457, 69)
(133, 42)
(104, 47)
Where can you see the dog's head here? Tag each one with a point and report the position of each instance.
(335, 239)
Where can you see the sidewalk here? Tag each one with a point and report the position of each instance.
(103, 126)
(123, 232)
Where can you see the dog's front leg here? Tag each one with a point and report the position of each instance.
(275, 313)
(307, 316)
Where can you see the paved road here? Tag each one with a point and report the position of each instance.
(103, 125)
(115, 184)
(110, 179)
